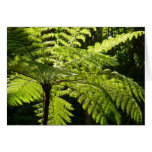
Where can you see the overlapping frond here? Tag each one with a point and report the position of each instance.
(37, 43)
(110, 89)
(97, 102)
(23, 89)
(60, 111)
(52, 56)
(123, 92)
(80, 59)
(110, 43)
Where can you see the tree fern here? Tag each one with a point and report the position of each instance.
(113, 88)
(45, 64)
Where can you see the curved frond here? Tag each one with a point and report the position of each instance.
(59, 111)
(110, 43)
(22, 89)
(52, 57)
(97, 102)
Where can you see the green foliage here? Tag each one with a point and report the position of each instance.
(40, 58)
(110, 43)
(59, 109)
(22, 89)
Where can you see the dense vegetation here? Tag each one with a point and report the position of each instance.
(75, 75)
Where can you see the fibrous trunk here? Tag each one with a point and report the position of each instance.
(46, 103)
(87, 118)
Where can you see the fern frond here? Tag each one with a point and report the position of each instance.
(97, 102)
(59, 111)
(124, 92)
(82, 58)
(110, 43)
(22, 89)
(52, 57)
(112, 87)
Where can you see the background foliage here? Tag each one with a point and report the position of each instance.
(76, 54)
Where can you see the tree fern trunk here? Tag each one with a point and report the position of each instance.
(87, 118)
(99, 29)
(46, 102)
(118, 30)
(112, 32)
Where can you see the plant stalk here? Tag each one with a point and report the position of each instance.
(46, 102)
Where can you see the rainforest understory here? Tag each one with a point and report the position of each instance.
(75, 75)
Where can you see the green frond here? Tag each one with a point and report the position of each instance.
(59, 109)
(86, 32)
(66, 36)
(81, 37)
(109, 89)
(110, 43)
(59, 112)
(82, 58)
(121, 91)
(52, 57)
(22, 89)
(97, 102)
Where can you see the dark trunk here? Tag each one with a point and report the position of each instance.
(46, 102)
(125, 29)
(87, 118)
(99, 29)
(93, 37)
(107, 32)
(112, 32)
(118, 30)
